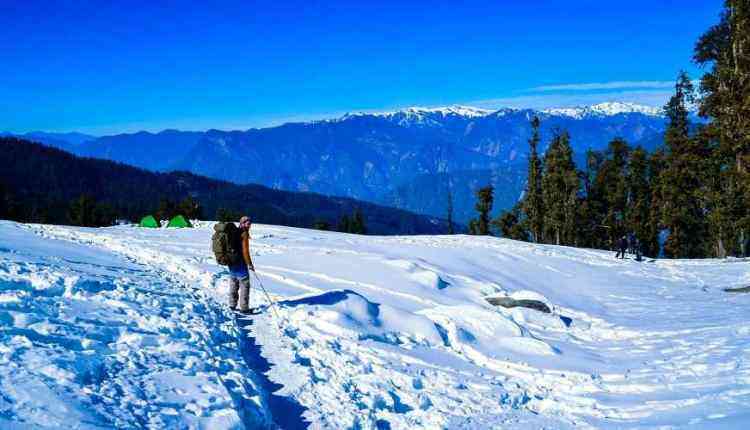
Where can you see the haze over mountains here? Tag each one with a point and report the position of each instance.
(404, 158)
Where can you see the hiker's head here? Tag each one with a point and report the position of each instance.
(245, 223)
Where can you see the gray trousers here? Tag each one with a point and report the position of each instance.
(239, 289)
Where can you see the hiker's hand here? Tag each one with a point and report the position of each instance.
(251, 267)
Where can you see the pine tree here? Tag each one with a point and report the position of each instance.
(481, 225)
(167, 210)
(533, 203)
(681, 186)
(511, 225)
(591, 231)
(725, 90)
(357, 225)
(611, 185)
(344, 224)
(190, 208)
(82, 211)
(722, 199)
(656, 165)
(560, 186)
(7, 204)
(639, 199)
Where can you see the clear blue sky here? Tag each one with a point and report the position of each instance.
(102, 68)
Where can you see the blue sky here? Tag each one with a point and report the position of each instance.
(105, 68)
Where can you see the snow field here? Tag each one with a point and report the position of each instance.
(380, 332)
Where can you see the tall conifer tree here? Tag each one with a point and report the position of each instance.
(533, 203)
(611, 188)
(481, 225)
(681, 210)
(639, 197)
(560, 186)
(725, 88)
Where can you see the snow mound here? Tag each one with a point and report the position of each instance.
(346, 313)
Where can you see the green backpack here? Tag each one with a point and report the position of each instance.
(226, 243)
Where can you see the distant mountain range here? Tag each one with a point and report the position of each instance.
(42, 181)
(404, 159)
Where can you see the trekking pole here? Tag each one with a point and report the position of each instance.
(273, 304)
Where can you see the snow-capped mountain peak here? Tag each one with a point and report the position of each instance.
(432, 115)
(605, 109)
(459, 110)
(417, 115)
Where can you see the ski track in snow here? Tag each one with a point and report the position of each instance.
(375, 332)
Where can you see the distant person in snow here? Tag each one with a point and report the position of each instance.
(231, 246)
(637, 248)
(631, 243)
(622, 247)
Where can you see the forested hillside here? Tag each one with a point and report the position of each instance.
(44, 184)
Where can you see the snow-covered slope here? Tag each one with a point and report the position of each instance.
(127, 327)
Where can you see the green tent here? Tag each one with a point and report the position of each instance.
(149, 222)
(179, 221)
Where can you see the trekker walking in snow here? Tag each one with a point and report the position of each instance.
(622, 247)
(231, 246)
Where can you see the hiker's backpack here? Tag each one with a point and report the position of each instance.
(226, 243)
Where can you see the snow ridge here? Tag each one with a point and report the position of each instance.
(422, 115)
(435, 115)
(605, 109)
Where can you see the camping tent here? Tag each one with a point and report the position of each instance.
(179, 221)
(150, 222)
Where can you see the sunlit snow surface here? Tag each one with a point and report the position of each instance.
(127, 327)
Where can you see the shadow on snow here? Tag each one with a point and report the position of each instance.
(285, 411)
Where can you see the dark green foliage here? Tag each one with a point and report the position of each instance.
(322, 225)
(560, 186)
(44, 181)
(590, 228)
(533, 203)
(656, 165)
(190, 208)
(725, 101)
(481, 225)
(8, 205)
(227, 215)
(682, 213)
(510, 224)
(358, 223)
(86, 212)
(167, 210)
(612, 189)
(354, 224)
(695, 190)
(345, 224)
(81, 211)
(638, 213)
